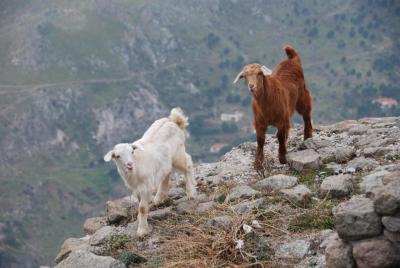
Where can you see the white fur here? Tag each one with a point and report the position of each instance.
(152, 159)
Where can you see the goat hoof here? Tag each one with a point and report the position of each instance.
(282, 160)
(258, 165)
(143, 232)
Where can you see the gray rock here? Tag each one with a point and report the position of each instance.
(328, 239)
(120, 210)
(391, 223)
(313, 262)
(362, 163)
(82, 258)
(337, 186)
(247, 206)
(161, 214)
(392, 236)
(372, 181)
(205, 206)
(176, 193)
(71, 244)
(241, 191)
(295, 249)
(376, 151)
(223, 222)
(91, 225)
(187, 207)
(316, 143)
(376, 253)
(303, 159)
(276, 182)
(344, 154)
(300, 194)
(358, 130)
(387, 198)
(103, 235)
(356, 219)
(338, 254)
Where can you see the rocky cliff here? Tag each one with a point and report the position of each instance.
(336, 204)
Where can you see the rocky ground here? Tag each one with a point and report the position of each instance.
(337, 204)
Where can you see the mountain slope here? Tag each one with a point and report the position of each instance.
(78, 76)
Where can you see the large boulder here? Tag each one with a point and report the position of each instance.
(356, 219)
(376, 253)
(391, 223)
(303, 159)
(83, 258)
(344, 154)
(372, 181)
(277, 182)
(362, 163)
(337, 186)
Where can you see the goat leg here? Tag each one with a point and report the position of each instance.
(282, 138)
(259, 162)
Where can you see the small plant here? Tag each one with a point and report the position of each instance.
(319, 217)
(130, 258)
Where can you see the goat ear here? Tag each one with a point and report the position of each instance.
(108, 156)
(265, 70)
(239, 76)
(136, 146)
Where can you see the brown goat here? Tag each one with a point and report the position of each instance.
(276, 95)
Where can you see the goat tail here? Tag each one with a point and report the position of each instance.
(290, 52)
(178, 117)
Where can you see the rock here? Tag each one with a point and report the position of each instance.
(303, 159)
(344, 154)
(295, 249)
(358, 130)
(161, 214)
(372, 181)
(376, 253)
(376, 151)
(120, 210)
(205, 206)
(328, 239)
(82, 258)
(314, 262)
(276, 182)
(241, 191)
(176, 193)
(362, 163)
(71, 244)
(300, 194)
(247, 206)
(337, 186)
(392, 224)
(223, 222)
(338, 254)
(187, 207)
(387, 198)
(356, 219)
(91, 225)
(315, 143)
(103, 235)
(392, 236)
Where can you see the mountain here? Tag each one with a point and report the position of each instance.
(77, 77)
(336, 204)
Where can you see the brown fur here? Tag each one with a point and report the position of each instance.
(275, 98)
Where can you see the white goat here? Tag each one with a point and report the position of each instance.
(146, 165)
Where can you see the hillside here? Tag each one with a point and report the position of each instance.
(78, 76)
(342, 212)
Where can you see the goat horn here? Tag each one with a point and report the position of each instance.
(266, 70)
(239, 76)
